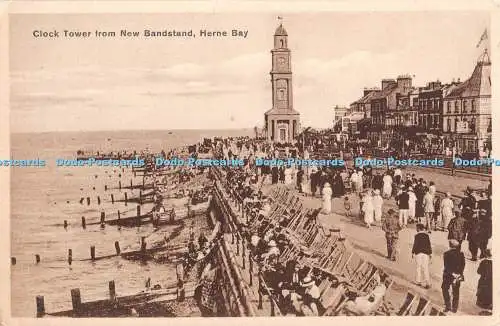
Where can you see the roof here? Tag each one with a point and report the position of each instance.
(355, 116)
(281, 112)
(367, 98)
(385, 92)
(479, 83)
(280, 31)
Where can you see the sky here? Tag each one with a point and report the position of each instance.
(222, 83)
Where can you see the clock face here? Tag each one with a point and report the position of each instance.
(281, 61)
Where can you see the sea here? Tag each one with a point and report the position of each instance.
(43, 197)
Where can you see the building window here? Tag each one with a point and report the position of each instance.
(489, 125)
(448, 125)
(457, 106)
(473, 105)
(436, 104)
(448, 109)
(464, 110)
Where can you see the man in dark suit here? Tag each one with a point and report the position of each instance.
(454, 264)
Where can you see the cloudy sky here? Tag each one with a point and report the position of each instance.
(106, 84)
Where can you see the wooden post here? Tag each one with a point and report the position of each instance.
(37, 258)
(272, 305)
(250, 267)
(138, 210)
(92, 253)
(13, 260)
(65, 224)
(112, 291)
(140, 197)
(103, 218)
(131, 184)
(181, 294)
(117, 248)
(70, 256)
(105, 188)
(88, 201)
(119, 214)
(120, 185)
(143, 245)
(98, 200)
(84, 225)
(76, 300)
(112, 199)
(143, 182)
(40, 306)
(259, 290)
(126, 199)
(243, 251)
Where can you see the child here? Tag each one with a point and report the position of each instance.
(347, 206)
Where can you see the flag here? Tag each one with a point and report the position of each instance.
(483, 37)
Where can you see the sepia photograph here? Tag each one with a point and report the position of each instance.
(251, 164)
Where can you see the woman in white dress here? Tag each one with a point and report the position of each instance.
(412, 199)
(327, 199)
(368, 209)
(447, 206)
(387, 187)
(378, 202)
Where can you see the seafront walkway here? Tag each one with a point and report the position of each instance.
(371, 244)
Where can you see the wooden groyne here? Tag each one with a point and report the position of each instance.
(149, 303)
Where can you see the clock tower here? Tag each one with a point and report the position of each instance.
(282, 121)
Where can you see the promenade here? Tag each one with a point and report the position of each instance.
(371, 243)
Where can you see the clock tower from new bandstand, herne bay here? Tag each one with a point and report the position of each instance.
(282, 121)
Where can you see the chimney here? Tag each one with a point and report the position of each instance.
(404, 83)
(387, 82)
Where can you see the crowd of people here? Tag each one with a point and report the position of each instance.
(411, 200)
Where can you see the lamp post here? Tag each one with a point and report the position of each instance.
(453, 159)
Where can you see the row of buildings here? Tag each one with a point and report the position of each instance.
(452, 115)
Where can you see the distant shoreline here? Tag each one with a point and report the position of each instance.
(132, 130)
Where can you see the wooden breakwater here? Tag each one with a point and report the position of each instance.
(149, 303)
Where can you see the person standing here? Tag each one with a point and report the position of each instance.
(314, 181)
(387, 186)
(403, 205)
(457, 229)
(282, 174)
(368, 209)
(391, 228)
(378, 202)
(428, 209)
(275, 174)
(327, 199)
(422, 252)
(485, 284)
(447, 206)
(300, 178)
(454, 264)
(412, 200)
(473, 236)
(485, 229)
